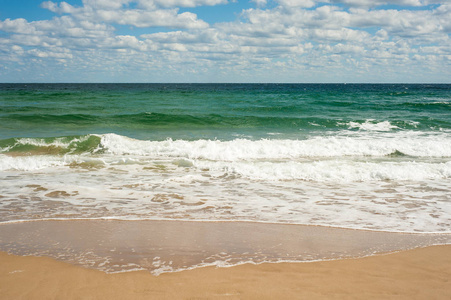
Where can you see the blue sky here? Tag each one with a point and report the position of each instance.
(225, 41)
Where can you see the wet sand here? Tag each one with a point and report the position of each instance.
(164, 246)
(415, 274)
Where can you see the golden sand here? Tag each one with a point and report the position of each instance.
(416, 274)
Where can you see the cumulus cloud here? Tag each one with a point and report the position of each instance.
(373, 3)
(259, 3)
(61, 8)
(297, 3)
(64, 7)
(291, 38)
(157, 18)
(178, 3)
(17, 26)
(150, 15)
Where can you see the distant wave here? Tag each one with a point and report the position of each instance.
(412, 144)
(217, 121)
(408, 156)
(52, 145)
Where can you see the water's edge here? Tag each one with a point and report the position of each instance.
(114, 246)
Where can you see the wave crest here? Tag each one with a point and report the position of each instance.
(273, 149)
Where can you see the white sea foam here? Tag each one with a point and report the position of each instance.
(371, 125)
(29, 163)
(57, 142)
(311, 159)
(332, 170)
(40, 162)
(244, 149)
(391, 181)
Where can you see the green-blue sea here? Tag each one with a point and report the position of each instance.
(373, 157)
(365, 156)
(219, 111)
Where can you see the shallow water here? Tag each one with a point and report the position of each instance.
(169, 246)
(360, 156)
(397, 181)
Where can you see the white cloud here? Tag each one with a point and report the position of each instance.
(374, 3)
(209, 36)
(297, 3)
(116, 12)
(17, 26)
(260, 3)
(64, 7)
(177, 3)
(140, 18)
(105, 4)
(61, 8)
(289, 38)
(53, 54)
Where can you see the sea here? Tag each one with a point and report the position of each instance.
(373, 157)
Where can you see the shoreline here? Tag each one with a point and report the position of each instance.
(168, 246)
(119, 219)
(423, 273)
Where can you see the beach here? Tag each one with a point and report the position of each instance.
(240, 191)
(110, 259)
(167, 246)
(417, 274)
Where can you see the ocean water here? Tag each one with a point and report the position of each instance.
(360, 156)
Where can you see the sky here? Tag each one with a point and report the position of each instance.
(400, 41)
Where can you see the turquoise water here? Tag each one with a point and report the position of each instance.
(358, 156)
(222, 111)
